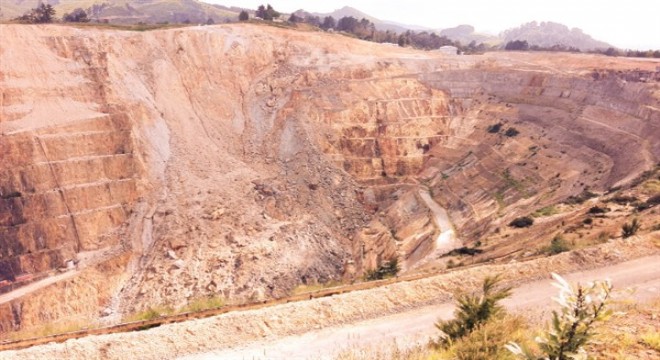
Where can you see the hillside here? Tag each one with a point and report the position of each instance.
(129, 11)
(466, 34)
(382, 25)
(147, 169)
(547, 34)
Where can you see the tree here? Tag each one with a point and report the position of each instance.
(295, 19)
(572, 327)
(328, 23)
(243, 16)
(42, 14)
(267, 12)
(77, 15)
(473, 310)
(520, 45)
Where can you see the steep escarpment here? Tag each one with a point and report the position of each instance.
(240, 161)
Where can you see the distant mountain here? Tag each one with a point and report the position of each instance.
(547, 34)
(129, 11)
(466, 34)
(382, 25)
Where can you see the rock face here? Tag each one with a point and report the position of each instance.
(243, 160)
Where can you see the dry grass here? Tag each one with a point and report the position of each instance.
(304, 289)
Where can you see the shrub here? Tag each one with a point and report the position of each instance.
(77, 15)
(511, 132)
(579, 199)
(546, 211)
(572, 327)
(597, 210)
(464, 251)
(487, 341)
(522, 222)
(495, 128)
(653, 200)
(473, 310)
(588, 221)
(630, 229)
(386, 270)
(623, 199)
(557, 245)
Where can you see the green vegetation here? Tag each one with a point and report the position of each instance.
(557, 246)
(522, 222)
(149, 314)
(204, 303)
(243, 16)
(386, 270)
(78, 15)
(630, 229)
(495, 128)
(464, 251)
(307, 288)
(511, 132)
(546, 211)
(473, 311)
(267, 13)
(581, 198)
(42, 14)
(596, 210)
(573, 326)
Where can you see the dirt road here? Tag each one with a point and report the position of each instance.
(406, 328)
(447, 240)
(36, 286)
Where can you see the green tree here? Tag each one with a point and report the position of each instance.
(77, 15)
(42, 14)
(243, 16)
(267, 12)
(573, 326)
(473, 310)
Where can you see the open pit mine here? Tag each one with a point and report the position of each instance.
(146, 169)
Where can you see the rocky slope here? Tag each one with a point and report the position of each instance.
(243, 160)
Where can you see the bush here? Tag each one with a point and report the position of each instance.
(522, 222)
(557, 245)
(588, 221)
(623, 200)
(579, 199)
(487, 341)
(572, 327)
(495, 128)
(243, 16)
(386, 270)
(473, 311)
(78, 15)
(464, 251)
(630, 229)
(597, 210)
(511, 132)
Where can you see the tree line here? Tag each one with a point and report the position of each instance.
(523, 45)
(45, 13)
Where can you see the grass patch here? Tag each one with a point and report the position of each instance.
(581, 198)
(651, 187)
(546, 211)
(303, 289)
(652, 340)
(204, 303)
(47, 330)
(149, 314)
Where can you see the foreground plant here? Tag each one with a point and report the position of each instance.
(473, 310)
(573, 326)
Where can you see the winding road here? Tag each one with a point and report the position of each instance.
(417, 326)
(447, 240)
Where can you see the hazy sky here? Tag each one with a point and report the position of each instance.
(622, 23)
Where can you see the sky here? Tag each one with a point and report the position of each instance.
(629, 24)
